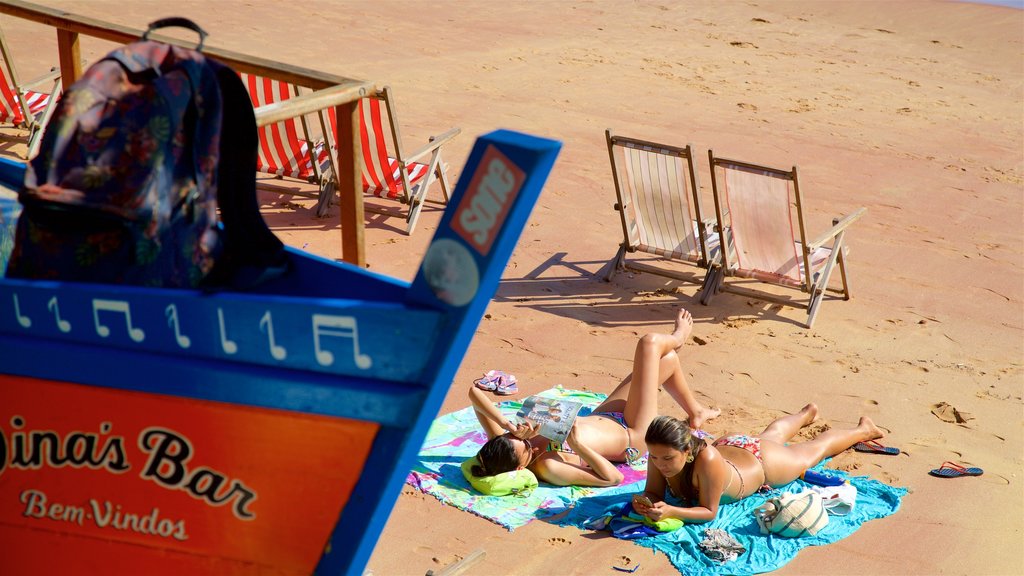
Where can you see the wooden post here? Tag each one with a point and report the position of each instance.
(70, 57)
(350, 178)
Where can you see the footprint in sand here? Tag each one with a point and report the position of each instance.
(559, 542)
(736, 323)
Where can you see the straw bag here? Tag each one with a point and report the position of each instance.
(792, 515)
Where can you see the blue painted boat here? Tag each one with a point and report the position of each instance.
(176, 431)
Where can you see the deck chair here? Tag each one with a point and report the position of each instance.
(287, 149)
(21, 107)
(757, 208)
(659, 205)
(389, 172)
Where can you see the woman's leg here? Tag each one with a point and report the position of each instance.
(784, 464)
(783, 429)
(655, 363)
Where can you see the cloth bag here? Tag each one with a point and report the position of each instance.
(792, 515)
(838, 500)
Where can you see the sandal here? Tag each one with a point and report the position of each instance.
(954, 470)
(501, 383)
(873, 447)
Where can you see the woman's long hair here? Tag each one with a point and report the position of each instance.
(496, 456)
(675, 433)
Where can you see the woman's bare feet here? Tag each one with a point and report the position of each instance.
(703, 414)
(871, 432)
(683, 328)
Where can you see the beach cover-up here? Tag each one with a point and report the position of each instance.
(764, 552)
(454, 437)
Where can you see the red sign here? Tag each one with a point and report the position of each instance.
(89, 472)
(483, 209)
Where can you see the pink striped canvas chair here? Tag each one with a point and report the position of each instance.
(660, 209)
(761, 212)
(21, 107)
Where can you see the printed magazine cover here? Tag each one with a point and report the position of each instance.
(554, 416)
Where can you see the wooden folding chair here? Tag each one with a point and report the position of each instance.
(755, 208)
(389, 172)
(287, 149)
(659, 205)
(23, 108)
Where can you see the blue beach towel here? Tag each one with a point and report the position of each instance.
(764, 552)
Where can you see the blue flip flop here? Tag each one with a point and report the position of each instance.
(873, 447)
(954, 470)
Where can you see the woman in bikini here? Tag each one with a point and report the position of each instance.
(684, 469)
(613, 432)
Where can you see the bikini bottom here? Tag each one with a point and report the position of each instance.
(751, 444)
(632, 454)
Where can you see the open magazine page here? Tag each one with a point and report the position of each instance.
(554, 416)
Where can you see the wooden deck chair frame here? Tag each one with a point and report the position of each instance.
(814, 260)
(658, 201)
(382, 142)
(17, 96)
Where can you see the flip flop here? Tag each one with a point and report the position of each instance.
(873, 447)
(954, 470)
(499, 382)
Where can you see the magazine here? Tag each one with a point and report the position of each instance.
(554, 416)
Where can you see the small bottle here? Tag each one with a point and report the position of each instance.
(821, 479)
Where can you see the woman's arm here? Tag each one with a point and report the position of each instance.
(491, 419)
(598, 472)
(601, 466)
(655, 486)
(711, 472)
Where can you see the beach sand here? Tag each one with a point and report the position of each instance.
(911, 109)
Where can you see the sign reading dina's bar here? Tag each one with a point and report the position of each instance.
(244, 485)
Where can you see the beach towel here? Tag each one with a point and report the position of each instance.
(454, 437)
(764, 553)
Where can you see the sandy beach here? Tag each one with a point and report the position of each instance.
(910, 109)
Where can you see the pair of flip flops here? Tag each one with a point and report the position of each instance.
(872, 447)
(501, 383)
(954, 470)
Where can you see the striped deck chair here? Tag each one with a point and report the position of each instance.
(761, 211)
(286, 149)
(389, 172)
(659, 205)
(23, 108)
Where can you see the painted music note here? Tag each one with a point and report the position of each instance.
(54, 307)
(343, 327)
(120, 307)
(267, 325)
(172, 318)
(25, 321)
(229, 346)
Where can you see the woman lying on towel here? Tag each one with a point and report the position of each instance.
(613, 432)
(698, 475)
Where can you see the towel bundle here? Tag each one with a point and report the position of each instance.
(627, 524)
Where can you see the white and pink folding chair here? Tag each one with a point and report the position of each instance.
(287, 150)
(660, 209)
(760, 213)
(23, 108)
